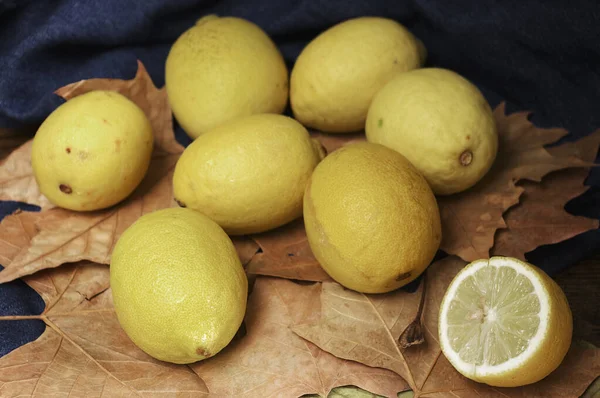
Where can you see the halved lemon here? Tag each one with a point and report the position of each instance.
(504, 322)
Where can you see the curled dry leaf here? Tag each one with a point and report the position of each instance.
(470, 218)
(366, 328)
(65, 236)
(83, 351)
(271, 361)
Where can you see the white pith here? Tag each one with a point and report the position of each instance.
(534, 343)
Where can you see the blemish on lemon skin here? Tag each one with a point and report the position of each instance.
(117, 145)
(204, 352)
(64, 188)
(402, 276)
(380, 123)
(83, 155)
(68, 150)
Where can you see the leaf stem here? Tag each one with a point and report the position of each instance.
(413, 334)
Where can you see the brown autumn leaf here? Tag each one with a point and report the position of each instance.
(17, 181)
(366, 328)
(84, 351)
(64, 236)
(271, 361)
(540, 218)
(246, 248)
(331, 142)
(470, 218)
(286, 254)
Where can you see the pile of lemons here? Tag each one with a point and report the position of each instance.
(369, 208)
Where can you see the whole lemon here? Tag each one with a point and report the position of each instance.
(336, 76)
(222, 69)
(178, 286)
(248, 175)
(371, 219)
(441, 122)
(92, 151)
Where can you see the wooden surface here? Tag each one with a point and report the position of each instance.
(581, 284)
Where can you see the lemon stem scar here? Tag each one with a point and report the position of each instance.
(65, 188)
(466, 157)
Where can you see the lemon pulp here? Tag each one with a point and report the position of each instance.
(504, 322)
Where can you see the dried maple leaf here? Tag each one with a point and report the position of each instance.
(270, 361)
(286, 254)
(83, 351)
(366, 328)
(541, 218)
(470, 218)
(65, 236)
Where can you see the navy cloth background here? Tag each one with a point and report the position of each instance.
(540, 55)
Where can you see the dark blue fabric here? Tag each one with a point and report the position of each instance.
(540, 55)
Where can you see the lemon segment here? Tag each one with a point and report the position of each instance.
(504, 322)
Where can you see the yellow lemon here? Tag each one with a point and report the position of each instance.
(504, 322)
(92, 151)
(178, 287)
(222, 69)
(336, 76)
(371, 219)
(248, 175)
(441, 122)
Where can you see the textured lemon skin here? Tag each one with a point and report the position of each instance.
(248, 175)
(222, 69)
(432, 116)
(92, 151)
(555, 343)
(371, 219)
(178, 286)
(337, 74)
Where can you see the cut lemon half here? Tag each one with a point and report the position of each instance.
(504, 322)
